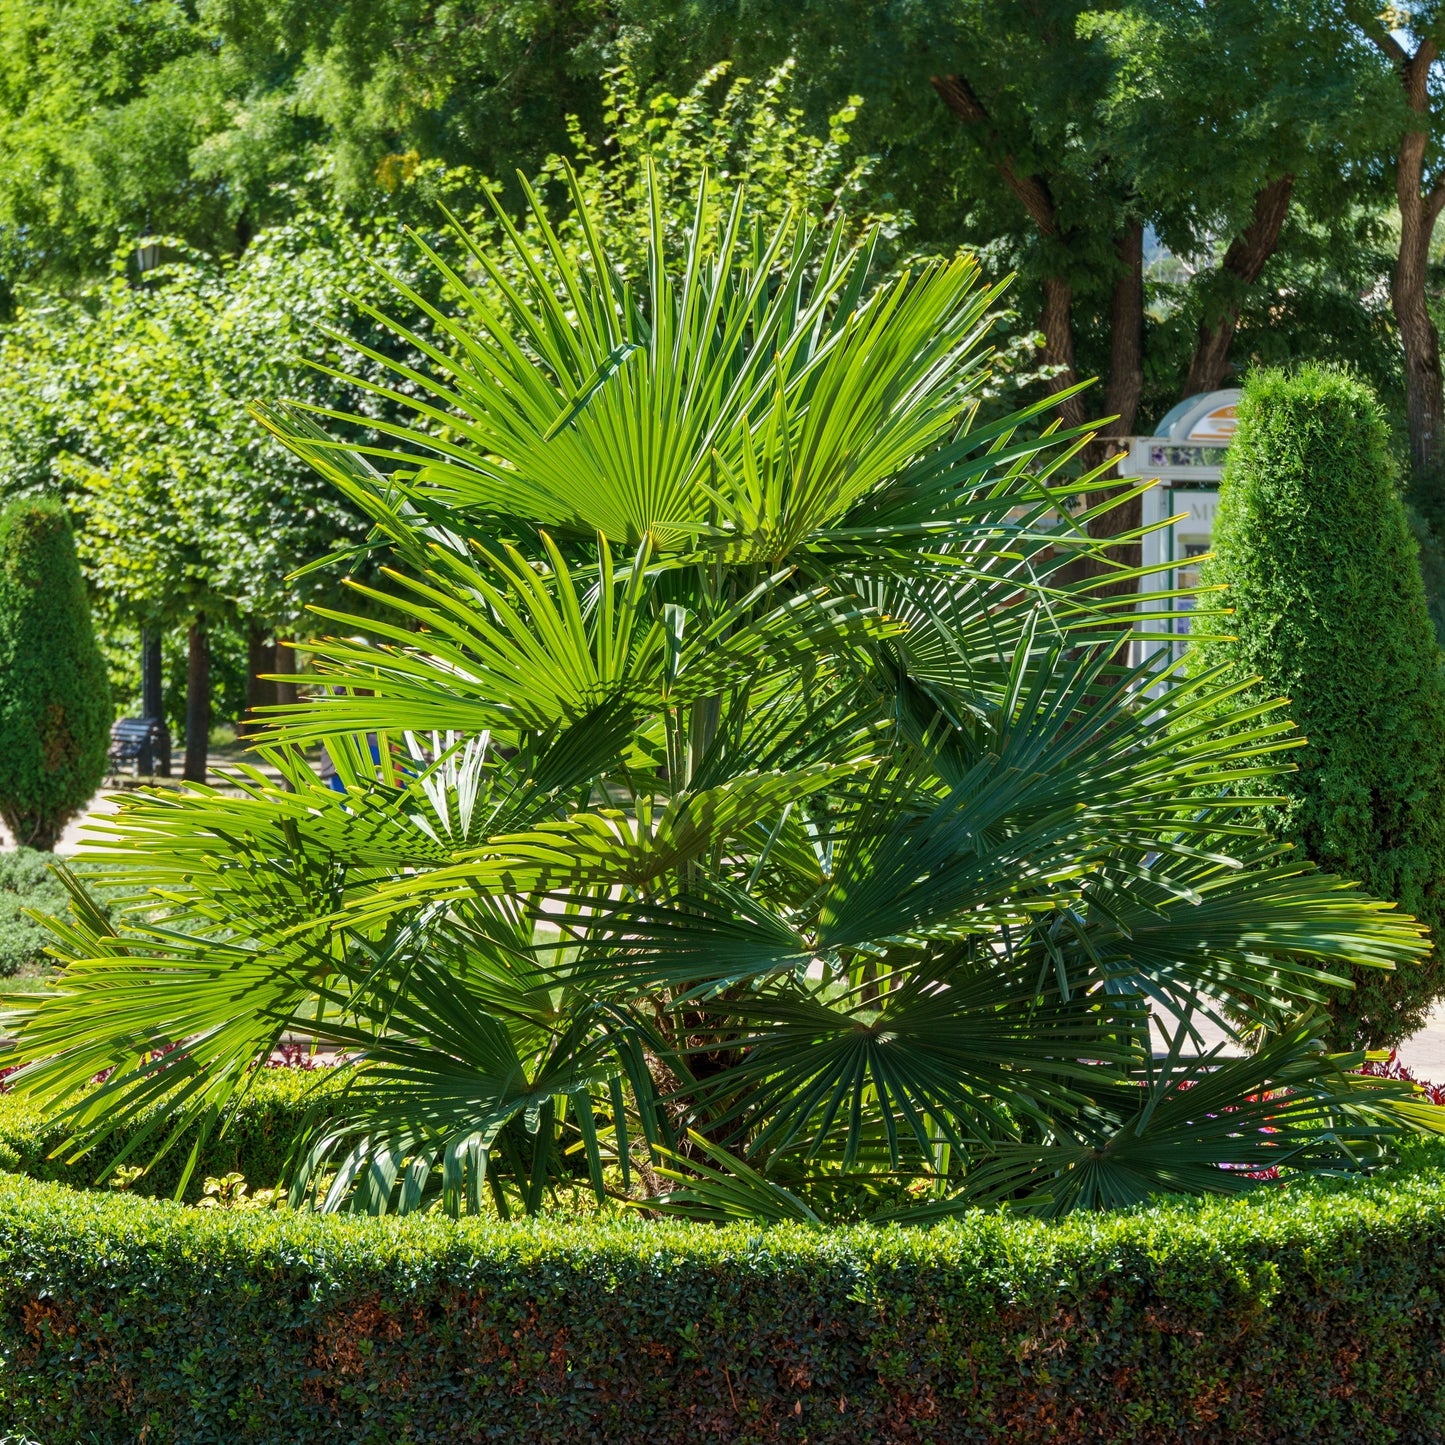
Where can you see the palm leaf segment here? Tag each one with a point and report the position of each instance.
(760, 807)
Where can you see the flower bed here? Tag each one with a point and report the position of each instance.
(1311, 1313)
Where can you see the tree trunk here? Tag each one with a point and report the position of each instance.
(285, 663)
(198, 701)
(1121, 400)
(1125, 382)
(1243, 262)
(1419, 210)
(1037, 199)
(1424, 392)
(1057, 325)
(260, 689)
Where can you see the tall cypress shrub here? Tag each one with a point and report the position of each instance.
(1313, 542)
(54, 694)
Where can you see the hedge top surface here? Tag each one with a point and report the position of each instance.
(997, 1246)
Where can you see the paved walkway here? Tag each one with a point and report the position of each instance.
(1423, 1053)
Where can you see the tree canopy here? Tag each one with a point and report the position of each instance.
(1171, 219)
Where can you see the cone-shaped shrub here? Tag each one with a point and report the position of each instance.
(1313, 542)
(54, 695)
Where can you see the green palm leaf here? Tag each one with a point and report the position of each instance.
(737, 785)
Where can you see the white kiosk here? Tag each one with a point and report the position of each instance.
(1187, 458)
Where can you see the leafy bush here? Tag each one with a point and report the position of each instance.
(796, 840)
(1314, 543)
(26, 881)
(54, 695)
(1313, 1315)
(254, 1143)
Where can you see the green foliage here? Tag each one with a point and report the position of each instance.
(724, 132)
(195, 120)
(131, 402)
(26, 882)
(130, 398)
(1103, 115)
(789, 799)
(202, 122)
(102, 106)
(54, 696)
(1313, 542)
(1313, 1314)
(254, 1144)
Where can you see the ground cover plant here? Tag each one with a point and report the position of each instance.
(745, 810)
(27, 885)
(254, 1145)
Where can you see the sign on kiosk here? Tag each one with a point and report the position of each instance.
(1187, 459)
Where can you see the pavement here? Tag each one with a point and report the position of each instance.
(1423, 1053)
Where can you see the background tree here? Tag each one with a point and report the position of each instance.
(1408, 38)
(102, 106)
(1067, 140)
(1312, 541)
(130, 399)
(130, 402)
(128, 119)
(54, 697)
(1072, 140)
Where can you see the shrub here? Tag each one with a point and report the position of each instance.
(26, 882)
(54, 694)
(1313, 541)
(254, 1143)
(1310, 1315)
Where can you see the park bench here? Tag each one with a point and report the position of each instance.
(142, 742)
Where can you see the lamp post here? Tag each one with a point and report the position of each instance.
(152, 675)
(152, 697)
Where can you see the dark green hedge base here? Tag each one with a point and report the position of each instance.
(1308, 1316)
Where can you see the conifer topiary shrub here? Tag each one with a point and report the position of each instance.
(1313, 542)
(54, 694)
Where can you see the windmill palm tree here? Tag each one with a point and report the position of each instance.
(760, 820)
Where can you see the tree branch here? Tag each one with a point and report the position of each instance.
(1243, 262)
(1254, 245)
(1033, 191)
(1435, 201)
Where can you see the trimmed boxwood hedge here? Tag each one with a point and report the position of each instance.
(1309, 1314)
(255, 1142)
